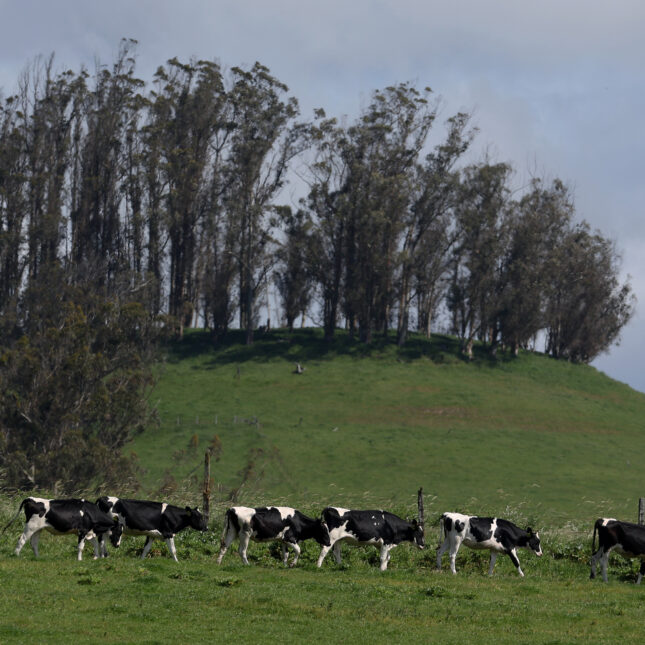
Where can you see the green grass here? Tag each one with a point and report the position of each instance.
(126, 600)
(530, 439)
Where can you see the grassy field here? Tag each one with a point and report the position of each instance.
(534, 440)
(126, 600)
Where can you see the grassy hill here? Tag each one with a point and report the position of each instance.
(539, 439)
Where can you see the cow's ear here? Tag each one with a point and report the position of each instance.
(415, 523)
(529, 530)
(189, 510)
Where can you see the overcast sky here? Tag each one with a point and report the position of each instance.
(557, 88)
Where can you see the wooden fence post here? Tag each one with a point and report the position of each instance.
(206, 491)
(641, 510)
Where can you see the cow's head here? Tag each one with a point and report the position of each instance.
(106, 503)
(417, 534)
(115, 533)
(533, 542)
(196, 520)
(320, 533)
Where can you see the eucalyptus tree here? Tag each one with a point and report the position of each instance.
(292, 275)
(13, 207)
(98, 230)
(264, 140)
(186, 113)
(428, 231)
(381, 153)
(474, 293)
(326, 175)
(537, 223)
(588, 306)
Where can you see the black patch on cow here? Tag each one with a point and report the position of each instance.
(459, 526)
(481, 528)
(447, 523)
(32, 507)
(267, 523)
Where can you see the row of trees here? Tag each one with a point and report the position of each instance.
(127, 210)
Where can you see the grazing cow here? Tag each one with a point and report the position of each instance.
(379, 528)
(61, 516)
(155, 520)
(493, 533)
(268, 524)
(625, 538)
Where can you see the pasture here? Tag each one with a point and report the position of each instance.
(536, 441)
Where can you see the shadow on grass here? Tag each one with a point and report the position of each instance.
(306, 345)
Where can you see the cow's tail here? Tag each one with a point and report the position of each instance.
(13, 519)
(442, 531)
(229, 523)
(596, 527)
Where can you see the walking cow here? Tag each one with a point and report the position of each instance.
(380, 528)
(625, 538)
(492, 533)
(62, 516)
(270, 523)
(155, 520)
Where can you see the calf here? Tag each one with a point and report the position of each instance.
(625, 538)
(155, 520)
(271, 523)
(380, 528)
(61, 516)
(492, 533)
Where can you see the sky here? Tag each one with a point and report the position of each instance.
(556, 88)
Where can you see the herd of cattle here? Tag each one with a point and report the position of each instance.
(111, 517)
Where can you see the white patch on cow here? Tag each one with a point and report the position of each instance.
(164, 506)
(285, 511)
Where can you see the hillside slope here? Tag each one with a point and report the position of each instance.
(531, 437)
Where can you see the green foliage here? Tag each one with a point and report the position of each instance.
(73, 389)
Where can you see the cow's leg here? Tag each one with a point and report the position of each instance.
(170, 541)
(454, 548)
(641, 573)
(227, 540)
(493, 557)
(27, 534)
(34, 542)
(385, 556)
(512, 554)
(146, 547)
(95, 544)
(103, 552)
(323, 552)
(603, 563)
(81, 544)
(244, 545)
(594, 560)
(296, 553)
(285, 553)
(336, 551)
(441, 549)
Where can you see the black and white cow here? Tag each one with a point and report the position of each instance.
(624, 538)
(268, 524)
(155, 520)
(62, 516)
(492, 533)
(380, 528)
